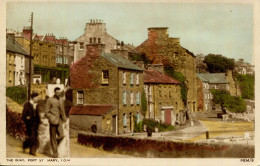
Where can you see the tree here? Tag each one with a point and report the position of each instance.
(247, 85)
(232, 103)
(219, 63)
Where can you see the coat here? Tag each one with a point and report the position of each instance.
(55, 110)
(29, 116)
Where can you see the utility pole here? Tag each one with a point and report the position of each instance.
(30, 59)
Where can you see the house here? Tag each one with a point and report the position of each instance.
(16, 66)
(160, 48)
(244, 68)
(163, 97)
(204, 95)
(95, 32)
(47, 55)
(108, 86)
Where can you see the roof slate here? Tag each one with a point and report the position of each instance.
(214, 78)
(90, 109)
(120, 61)
(155, 77)
(12, 45)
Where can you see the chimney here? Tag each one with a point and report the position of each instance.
(158, 33)
(27, 30)
(157, 67)
(139, 64)
(11, 36)
(119, 50)
(94, 50)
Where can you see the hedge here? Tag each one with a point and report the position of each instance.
(165, 149)
(15, 125)
(17, 93)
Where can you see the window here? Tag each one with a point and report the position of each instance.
(138, 117)
(124, 77)
(95, 40)
(132, 98)
(80, 97)
(60, 48)
(216, 87)
(65, 60)
(10, 76)
(105, 77)
(137, 79)
(124, 97)
(131, 79)
(124, 120)
(138, 98)
(81, 45)
(90, 40)
(99, 40)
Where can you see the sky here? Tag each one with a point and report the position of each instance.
(219, 28)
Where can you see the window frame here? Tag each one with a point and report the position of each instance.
(105, 77)
(78, 99)
(81, 45)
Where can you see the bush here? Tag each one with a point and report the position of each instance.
(15, 125)
(152, 124)
(247, 85)
(17, 93)
(232, 103)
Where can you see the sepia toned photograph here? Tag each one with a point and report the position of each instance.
(129, 80)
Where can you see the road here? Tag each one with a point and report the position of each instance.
(14, 150)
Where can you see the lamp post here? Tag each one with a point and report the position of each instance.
(30, 59)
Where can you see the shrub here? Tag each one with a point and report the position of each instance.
(17, 93)
(247, 85)
(234, 104)
(152, 124)
(15, 125)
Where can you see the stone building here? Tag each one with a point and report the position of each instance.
(16, 66)
(160, 48)
(163, 97)
(220, 81)
(112, 84)
(95, 32)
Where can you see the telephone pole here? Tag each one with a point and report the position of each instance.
(30, 59)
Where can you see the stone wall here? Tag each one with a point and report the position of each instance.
(159, 48)
(233, 85)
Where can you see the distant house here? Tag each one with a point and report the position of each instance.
(244, 68)
(108, 86)
(16, 62)
(163, 97)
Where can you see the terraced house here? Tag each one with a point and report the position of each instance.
(47, 55)
(164, 97)
(16, 63)
(106, 89)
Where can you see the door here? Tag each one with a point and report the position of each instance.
(114, 125)
(168, 116)
(130, 119)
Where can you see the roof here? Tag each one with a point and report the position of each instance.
(13, 46)
(120, 61)
(214, 78)
(155, 77)
(90, 109)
